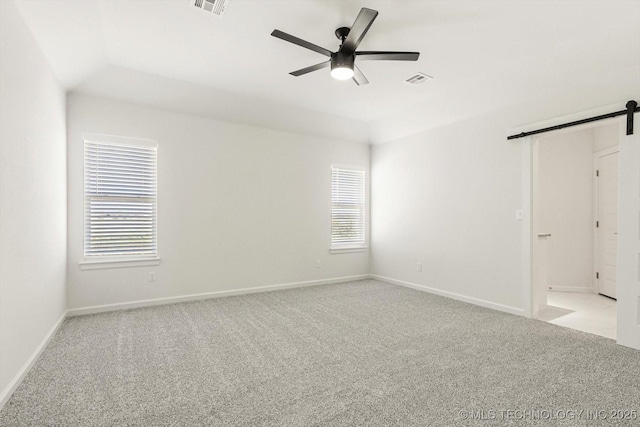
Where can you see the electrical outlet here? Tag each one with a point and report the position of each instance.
(419, 267)
(318, 263)
(152, 276)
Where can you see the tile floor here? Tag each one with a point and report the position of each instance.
(586, 312)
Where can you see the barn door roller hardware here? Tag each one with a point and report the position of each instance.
(632, 107)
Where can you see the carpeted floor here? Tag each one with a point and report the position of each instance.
(359, 353)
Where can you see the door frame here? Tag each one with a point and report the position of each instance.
(595, 284)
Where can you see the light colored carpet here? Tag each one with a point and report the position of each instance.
(359, 353)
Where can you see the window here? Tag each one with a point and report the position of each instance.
(120, 195)
(347, 207)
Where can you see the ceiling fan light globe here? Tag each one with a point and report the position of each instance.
(342, 73)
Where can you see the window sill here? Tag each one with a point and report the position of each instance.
(100, 264)
(350, 249)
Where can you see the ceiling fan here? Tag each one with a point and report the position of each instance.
(342, 62)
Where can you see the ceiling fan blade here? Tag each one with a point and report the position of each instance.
(310, 69)
(358, 77)
(359, 29)
(295, 40)
(387, 56)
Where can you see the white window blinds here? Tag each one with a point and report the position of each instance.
(347, 207)
(120, 192)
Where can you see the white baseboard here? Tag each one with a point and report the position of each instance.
(22, 373)
(582, 289)
(452, 295)
(218, 294)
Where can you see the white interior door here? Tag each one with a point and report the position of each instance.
(607, 230)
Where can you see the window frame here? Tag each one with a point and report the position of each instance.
(91, 262)
(349, 247)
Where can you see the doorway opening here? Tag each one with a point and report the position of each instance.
(575, 228)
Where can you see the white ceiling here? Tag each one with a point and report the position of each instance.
(484, 55)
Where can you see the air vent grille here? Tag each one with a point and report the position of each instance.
(215, 7)
(418, 78)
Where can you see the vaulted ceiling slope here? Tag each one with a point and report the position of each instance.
(483, 55)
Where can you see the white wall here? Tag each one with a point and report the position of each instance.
(238, 206)
(605, 136)
(32, 198)
(447, 198)
(564, 208)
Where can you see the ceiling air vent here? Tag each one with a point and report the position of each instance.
(216, 7)
(418, 78)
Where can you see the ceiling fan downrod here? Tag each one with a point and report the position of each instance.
(342, 33)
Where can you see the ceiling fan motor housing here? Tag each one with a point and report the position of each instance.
(342, 60)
